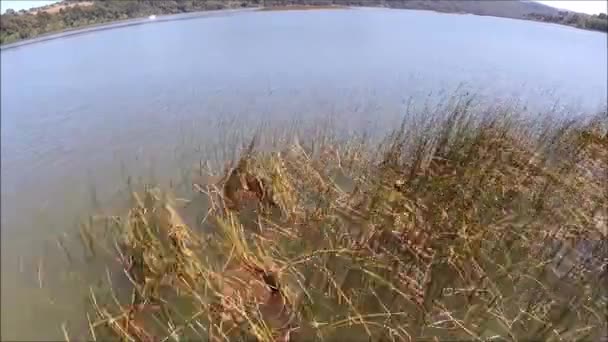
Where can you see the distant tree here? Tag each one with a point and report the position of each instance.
(43, 18)
(598, 23)
(10, 11)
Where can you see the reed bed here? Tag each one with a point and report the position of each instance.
(463, 225)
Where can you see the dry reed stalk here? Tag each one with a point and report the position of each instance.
(459, 204)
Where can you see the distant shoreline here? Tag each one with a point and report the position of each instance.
(161, 18)
(302, 8)
(226, 12)
(125, 23)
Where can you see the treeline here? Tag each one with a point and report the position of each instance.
(597, 22)
(15, 26)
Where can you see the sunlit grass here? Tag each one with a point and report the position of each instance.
(448, 228)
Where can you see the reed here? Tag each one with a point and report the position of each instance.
(463, 225)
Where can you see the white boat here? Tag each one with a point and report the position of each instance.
(152, 17)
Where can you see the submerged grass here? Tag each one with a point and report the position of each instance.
(457, 226)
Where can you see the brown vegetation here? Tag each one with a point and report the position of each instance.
(53, 9)
(449, 229)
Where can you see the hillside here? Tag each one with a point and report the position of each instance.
(15, 26)
(55, 8)
(528, 10)
(508, 9)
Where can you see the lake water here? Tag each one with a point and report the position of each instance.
(85, 111)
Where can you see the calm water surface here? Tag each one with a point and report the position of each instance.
(87, 110)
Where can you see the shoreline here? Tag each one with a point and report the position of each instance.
(225, 12)
(125, 23)
(158, 19)
(302, 8)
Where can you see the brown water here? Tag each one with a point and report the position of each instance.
(83, 114)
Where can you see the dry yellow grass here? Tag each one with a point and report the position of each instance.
(53, 9)
(448, 229)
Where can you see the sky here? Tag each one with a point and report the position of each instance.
(584, 6)
(23, 4)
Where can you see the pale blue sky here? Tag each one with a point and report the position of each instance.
(23, 4)
(584, 6)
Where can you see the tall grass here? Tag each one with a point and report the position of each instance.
(466, 224)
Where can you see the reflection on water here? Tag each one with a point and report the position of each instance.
(145, 103)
